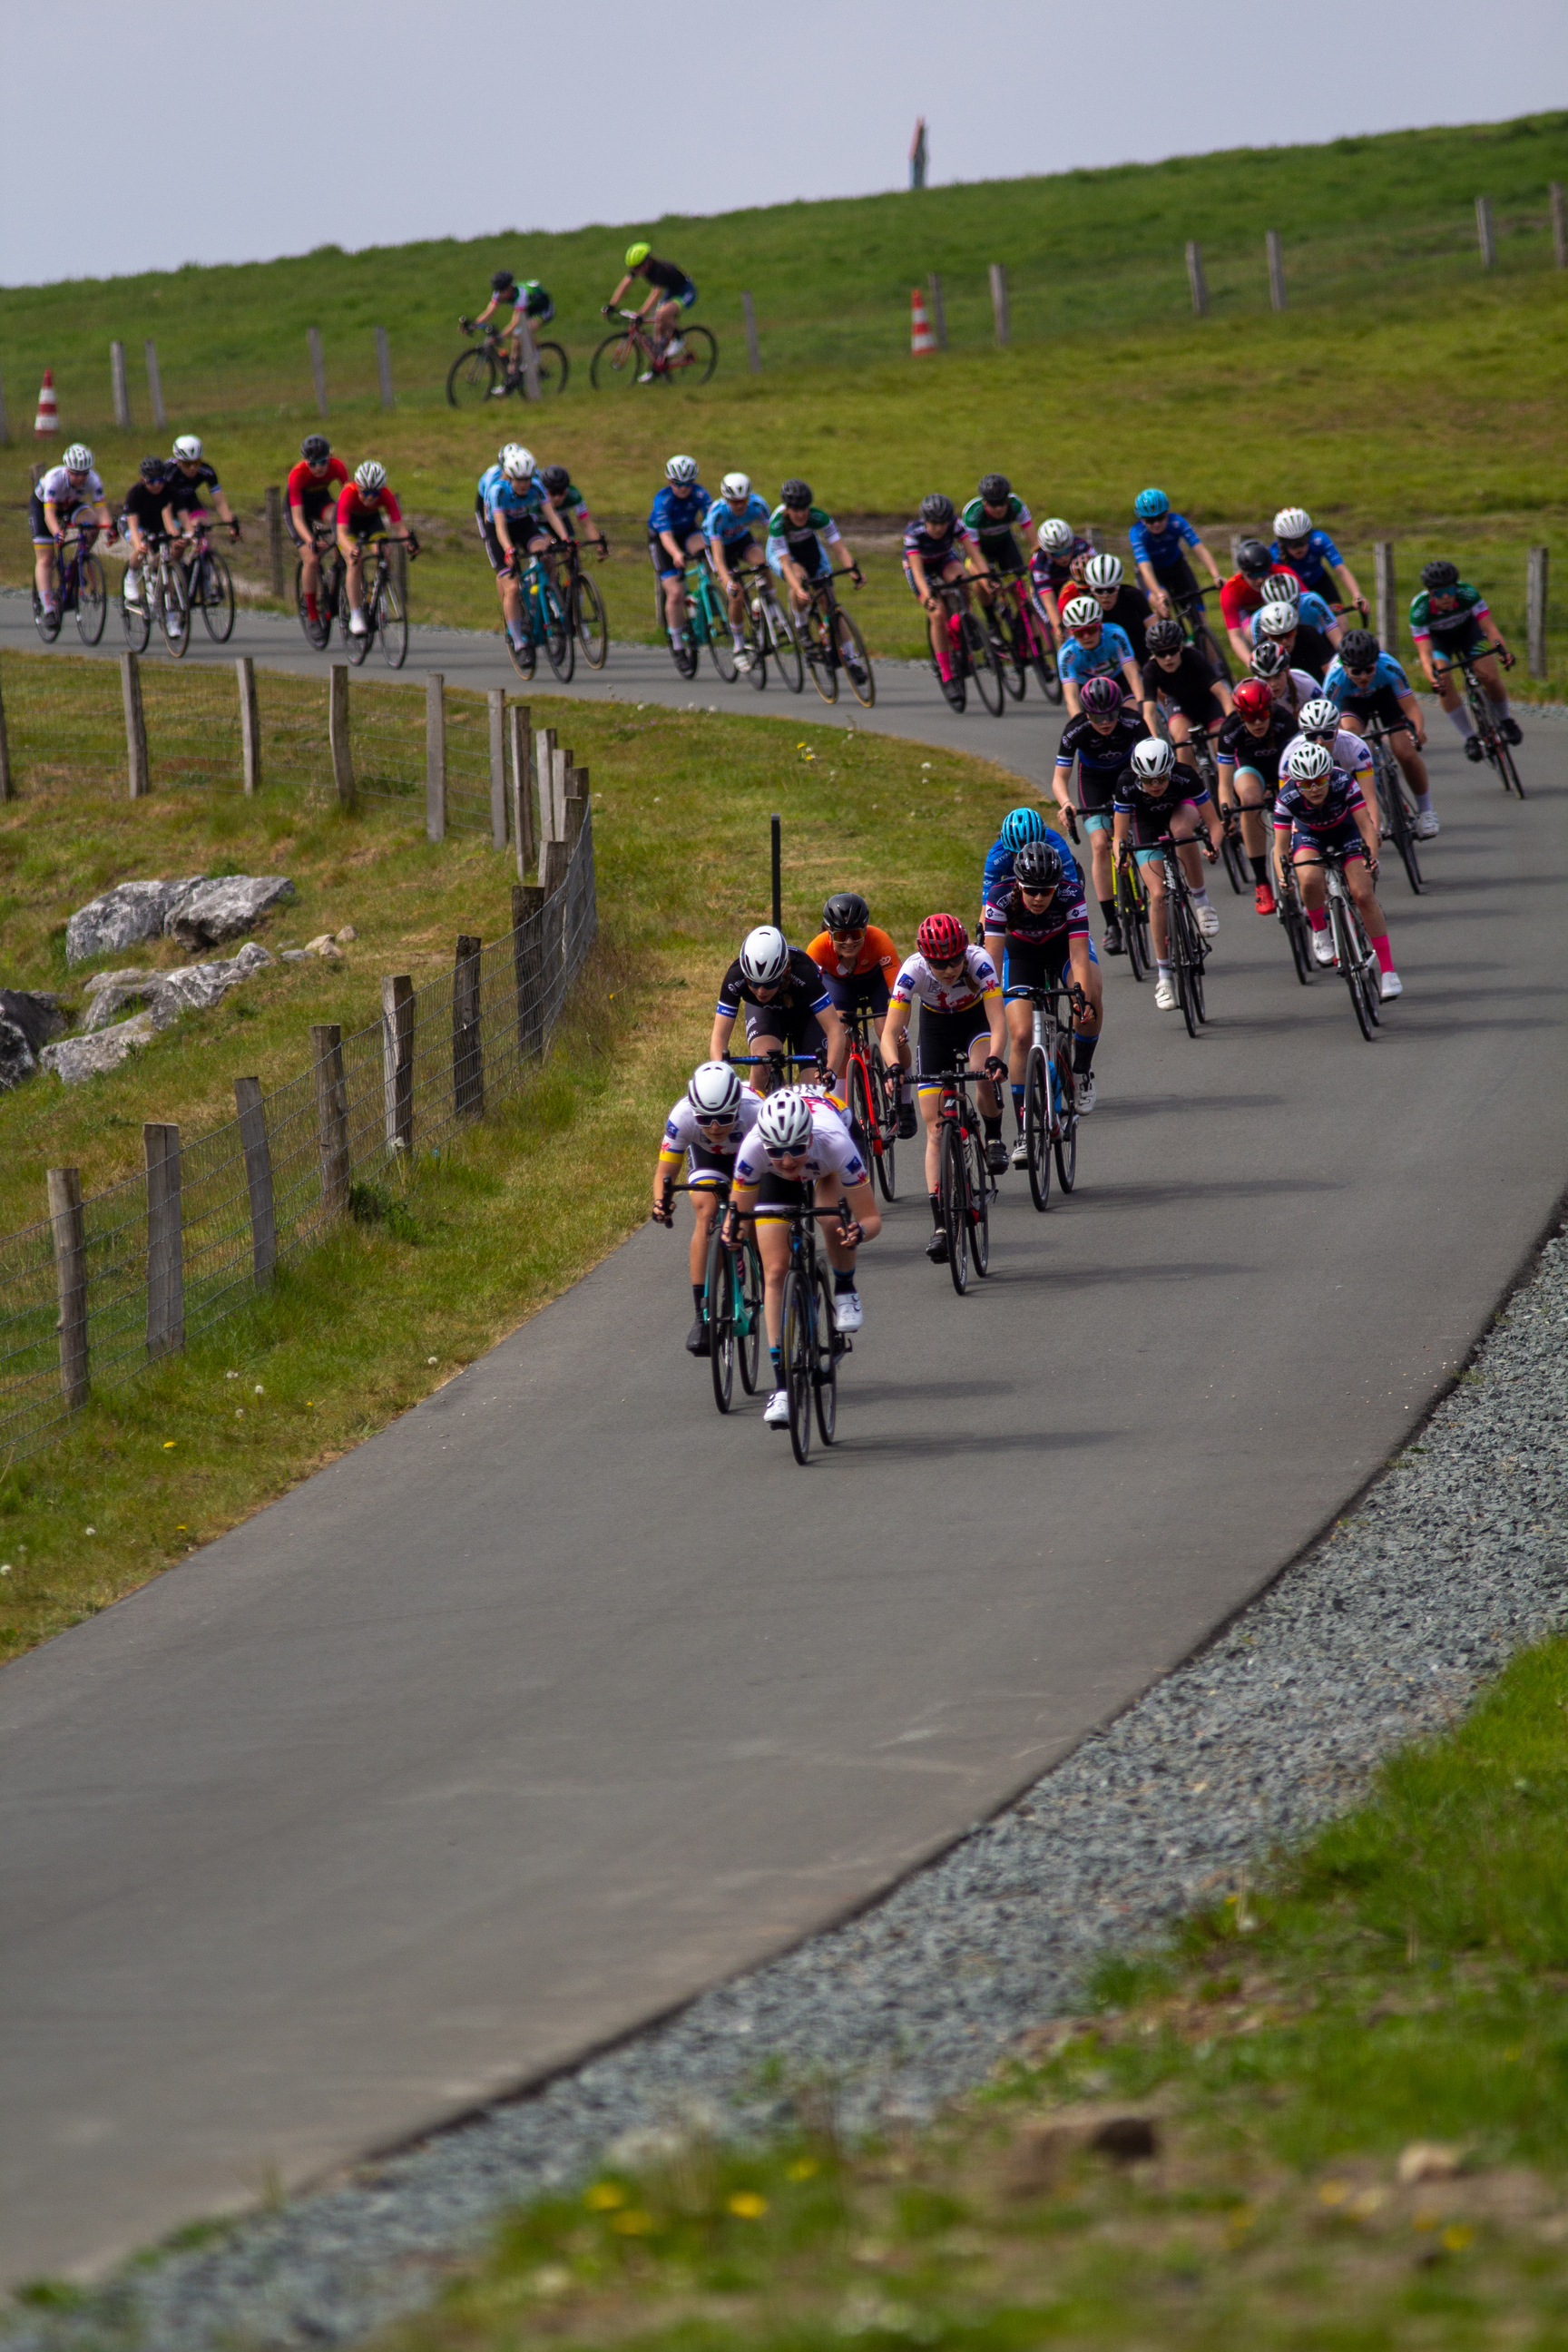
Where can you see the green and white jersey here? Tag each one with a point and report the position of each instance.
(1458, 621)
(802, 543)
(993, 532)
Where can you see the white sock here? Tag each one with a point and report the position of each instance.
(1459, 720)
(1201, 897)
(1500, 707)
(739, 637)
(1424, 804)
(132, 581)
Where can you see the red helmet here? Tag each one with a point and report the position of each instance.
(1253, 698)
(941, 937)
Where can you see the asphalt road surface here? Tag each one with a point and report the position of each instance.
(562, 1698)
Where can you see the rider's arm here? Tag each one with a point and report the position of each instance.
(1424, 656)
(836, 1036)
(1135, 688)
(916, 566)
(673, 546)
(836, 547)
(1122, 833)
(992, 1007)
(1347, 580)
(1368, 827)
(549, 515)
(1210, 815)
(618, 292)
(1490, 628)
(895, 1032)
(719, 1043)
(1199, 549)
(1281, 849)
(666, 1169)
(1412, 709)
(1061, 785)
(52, 522)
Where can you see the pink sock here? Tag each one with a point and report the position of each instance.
(943, 661)
(1319, 921)
(1383, 953)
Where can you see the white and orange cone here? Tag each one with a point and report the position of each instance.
(921, 338)
(47, 419)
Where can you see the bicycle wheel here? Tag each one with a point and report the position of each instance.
(48, 625)
(617, 362)
(718, 1306)
(818, 650)
(1200, 958)
(1508, 769)
(719, 643)
(1178, 915)
(1134, 937)
(1037, 1126)
(1205, 642)
(701, 357)
(355, 647)
(849, 647)
(392, 623)
(985, 664)
(978, 1203)
(1239, 873)
(757, 642)
(884, 1111)
(1065, 1141)
(1298, 932)
(783, 647)
(795, 1354)
(862, 1116)
(749, 1312)
(524, 656)
(136, 621)
(173, 612)
(217, 596)
(555, 367)
(1396, 814)
(952, 1191)
(825, 1374)
(91, 602)
(1015, 653)
(1045, 665)
(560, 638)
(592, 627)
(471, 378)
(1350, 964)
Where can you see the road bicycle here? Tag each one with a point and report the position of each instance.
(1131, 902)
(544, 623)
(488, 371)
(810, 1344)
(871, 1091)
(1397, 807)
(1187, 949)
(1296, 929)
(1189, 611)
(1022, 637)
(785, 1068)
(629, 355)
(1050, 1092)
(383, 613)
(771, 635)
(834, 643)
(706, 620)
(732, 1298)
(965, 1189)
(1354, 957)
(584, 606)
(331, 573)
(210, 585)
(78, 588)
(1483, 717)
(162, 598)
(972, 650)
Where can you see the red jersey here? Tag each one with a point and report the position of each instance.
(307, 489)
(1240, 597)
(358, 513)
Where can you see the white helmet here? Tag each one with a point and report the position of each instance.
(188, 449)
(1275, 621)
(1319, 717)
(764, 956)
(1281, 588)
(1054, 535)
(681, 469)
(517, 463)
(736, 485)
(1308, 762)
(370, 476)
(785, 1120)
(1153, 757)
(78, 458)
(1102, 572)
(1292, 523)
(1081, 613)
(713, 1091)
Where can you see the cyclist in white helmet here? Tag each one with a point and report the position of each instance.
(787, 1002)
(367, 508)
(706, 1129)
(69, 496)
(516, 519)
(733, 547)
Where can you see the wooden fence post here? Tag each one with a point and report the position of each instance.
(496, 700)
(545, 770)
(1271, 246)
(468, 1048)
(332, 1116)
(247, 1101)
(165, 1263)
(527, 900)
(938, 309)
(70, 1279)
(118, 387)
(1195, 278)
(753, 348)
(384, 368)
(397, 1058)
(435, 757)
(249, 722)
(529, 351)
(522, 832)
(1387, 598)
(155, 383)
(999, 310)
(317, 368)
(338, 732)
(275, 538)
(576, 807)
(1559, 203)
(553, 859)
(135, 727)
(1486, 237)
(1536, 579)
(7, 782)
(4, 428)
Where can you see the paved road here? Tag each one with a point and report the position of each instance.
(561, 1699)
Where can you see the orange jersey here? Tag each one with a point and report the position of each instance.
(877, 953)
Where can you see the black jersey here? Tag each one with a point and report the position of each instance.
(143, 504)
(185, 493)
(1237, 747)
(1152, 811)
(1133, 614)
(803, 989)
(1101, 757)
(1189, 686)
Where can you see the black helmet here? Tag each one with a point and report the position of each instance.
(845, 911)
(795, 493)
(502, 280)
(1359, 649)
(1164, 637)
(1037, 866)
(938, 510)
(1269, 659)
(995, 489)
(154, 469)
(556, 478)
(1440, 575)
(314, 447)
(1253, 558)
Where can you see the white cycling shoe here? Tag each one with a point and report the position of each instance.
(743, 665)
(776, 1416)
(1166, 993)
(1088, 1093)
(1391, 985)
(358, 625)
(1427, 826)
(848, 1315)
(1020, 1154)
(1323, 947)
(1208, 921)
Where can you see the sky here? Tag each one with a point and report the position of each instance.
(361, 122)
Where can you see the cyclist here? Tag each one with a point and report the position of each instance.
(803, 544)
(367, 507)
(1187, 685)
(732, 547)
(1122, 605)
(1036, 932)
(1251, 745)
(939, 548)
(1276, 624)
(674, 537)
(145, 519)
(706, 1129)
(315, 486)
(1101, 740)
(1095, 648)
(529, 300)
(1320, 807)
(1154, 798)
(570, 507)
(192, 481)
(959, 992)
(1291, 688)
(1160, 539)
(1318, 625)
(855, 959)
(1313, 556)
(670, 291)
(516, 519)
(1321, 723)
(1244, 592)
(800, 1151)
(995, 515)
(1366, 683)
(788, 1008)
(1449, 621)
(1058, 549)
(69, 496)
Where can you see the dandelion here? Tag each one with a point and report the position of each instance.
(633, 2224)
(803, 2168)
(231, 1376)
(431, 1359)
(180, 1529)
(168, 1446)
(89, 1531)
(747, 2205)
(603, 2196)
(1457, 2236)
(259, 1390)
(239, 1412)
(4, 1567)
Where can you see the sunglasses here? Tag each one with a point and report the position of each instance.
(945, 964)
(1033, 890)
(715, 1118)
(849, 937)
(785, 1151)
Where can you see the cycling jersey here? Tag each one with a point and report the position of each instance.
(1470, 607)
(58, 488)
(1240, 596)
(315, 492)
(678, 509)
(832, 1151)
(800, 990)
(571, 506)
(144, 506)
(497, 494)
(918, 984)
(1101, 757)
(1307, 564)
(187, 493)
(723, 522)
(1294, 812)
(800, 540)
(1237, 747)
(1189, 688)
(1078, 661)
(998, 542)
(1351, 752)
(1054, 572)
(933, 550)
(1163, 550)
(876, 954)
(1341, 688)
(1292, 688)
(1314, 613)
(997, 880)
(1066, 917)
(534, 301)
(1132, 614)
(1152, 811)
(666, 274)
(360, 516)
(681, 1132)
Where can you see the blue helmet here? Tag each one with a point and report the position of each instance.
(1150, 505)
(1022, 825)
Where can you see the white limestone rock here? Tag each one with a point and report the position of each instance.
(225, 908)
(122, 916)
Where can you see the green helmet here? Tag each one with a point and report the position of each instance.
(637, 255)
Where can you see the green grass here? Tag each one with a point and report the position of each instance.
(1398, 1984)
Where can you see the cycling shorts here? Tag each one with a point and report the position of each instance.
(794, 555)
(1344, 838)
(1382, 704)
(736, 551)
(686, 296)
(952, 570)
(946, 1038)
(81, 516)
(1097, 820)
(1176, 579)
(1003, 554)
(799, 1030)
(1030, 965)
(868, 988)
(659, 556)
(1206, 709)
(1474, 642)
(712, 1169)
(777, 1195)
(1147, 856)
(497, 553)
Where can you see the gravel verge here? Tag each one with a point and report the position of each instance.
(1456, 1556)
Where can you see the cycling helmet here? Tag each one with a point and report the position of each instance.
(637, 255)
(370, 478)
(1308, 762)
(1081, 613)
(502, 280)
(188, 449)
(517, 463)
(941, 939)
(1103, 571)
(1292, 523)
(154, 469)
(845, 911)
(681, 469)
(1275, 621)
(1153, 757)
(1252, 698)
(995, 489)
(938, 510)
(764, 956)
(556, 478)
(1253, 560)
(1150, 505)
(1055, 535)
(1101, 697)
(1269, 660)
(1164, 637)
(1021, 825)
(1281, 588)
(785, 1120)
(713, 1091)
(735, 486)
(1037, 866)
(795, 492)
(78, 458)
(1318, 717)
(1359, 649)
(1440, 574)
(315, 449)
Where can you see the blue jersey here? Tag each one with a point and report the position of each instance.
(1078, 661)
(1167, 548)
(1309, 565)
(678, 510)
(996, 886)
(1337, 807)
(1340, 688)
(723, 522)
(1313, 613)
(497, 495)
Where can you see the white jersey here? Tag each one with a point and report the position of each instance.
(57, 486)
(1304, 688)
(832, 1151)
(681, 1132)
(918, 984)
(1349, 751)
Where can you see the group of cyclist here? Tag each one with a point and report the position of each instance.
(171, 500)
(737, 532)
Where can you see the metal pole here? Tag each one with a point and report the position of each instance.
(778, 876)
(317, 368)
(999, 302)
(753, 348)
(275, 538)
(1559, 241)
(1387, 598)
(938, 310)
(1484, 232)
(119, 386)
(155, 384)
(1535, 609)
(1276, 269)
(383, 367)
(1197, 280)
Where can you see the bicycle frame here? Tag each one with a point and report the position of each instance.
(1051, 1097)
(810, 1347)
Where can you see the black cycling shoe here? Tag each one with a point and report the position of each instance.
(685, 660)
(907, 1124)
(954, 689)
(936, 1249)
(1114, 943)
(997, 1157)
(1509, 729)
(1474, 752)
(696, 1342)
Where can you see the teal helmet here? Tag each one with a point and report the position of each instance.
(1020, 825)
(1150, 505)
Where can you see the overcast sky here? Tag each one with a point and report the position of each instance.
(363, 123)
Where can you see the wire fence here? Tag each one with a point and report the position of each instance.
(106, 1286)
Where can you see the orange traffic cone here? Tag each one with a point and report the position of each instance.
(920, 336)
(47, 419)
